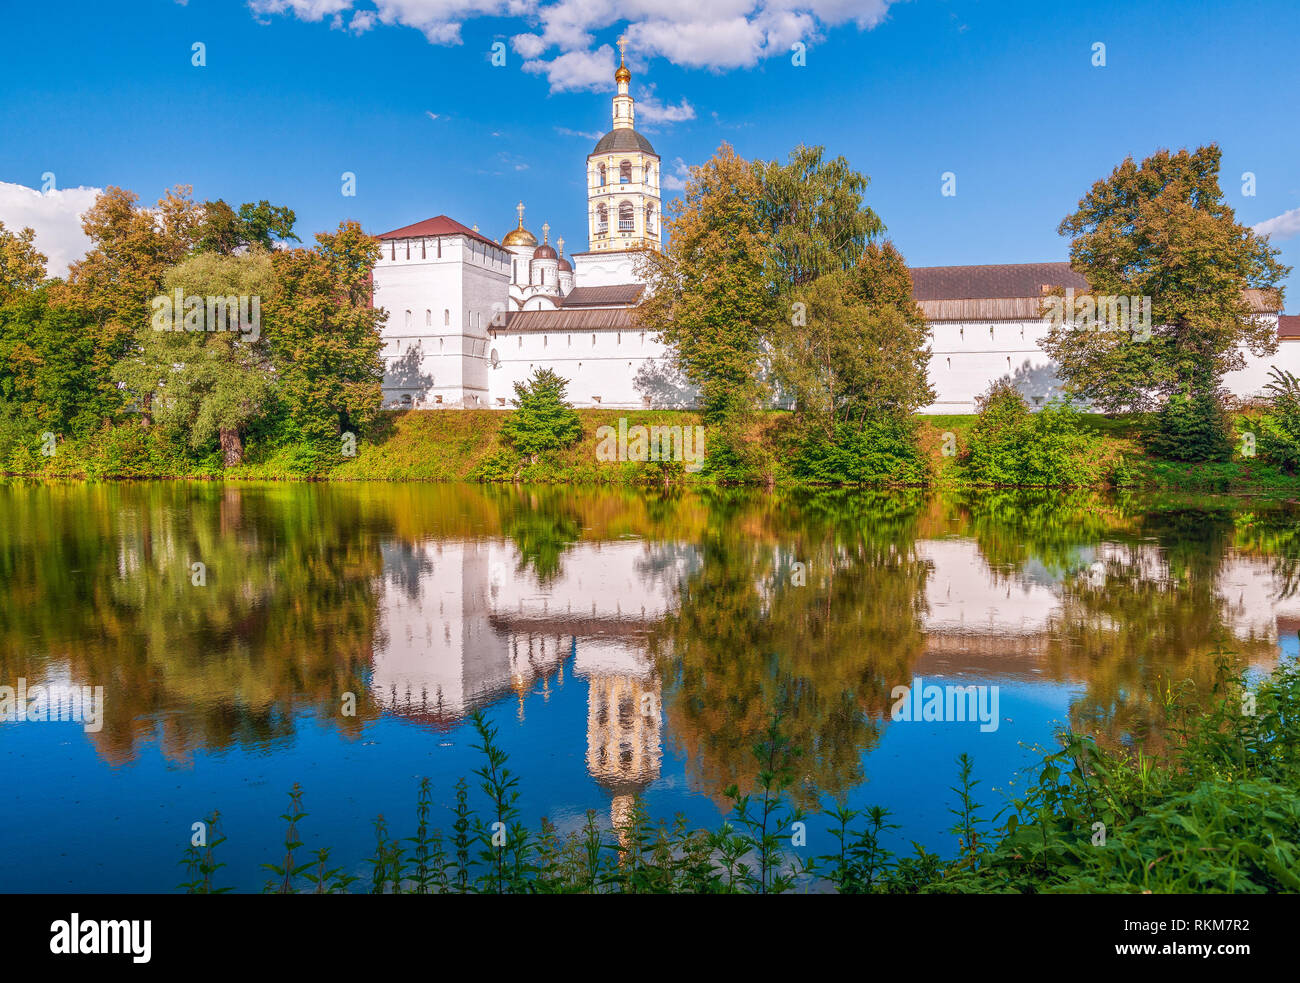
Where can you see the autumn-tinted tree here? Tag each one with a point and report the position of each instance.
(324, 333)
(22, 267)
(1162, 230)
(709, 298)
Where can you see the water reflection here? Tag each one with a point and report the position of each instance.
(688, 619)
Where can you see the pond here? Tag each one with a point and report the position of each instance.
(233, 639)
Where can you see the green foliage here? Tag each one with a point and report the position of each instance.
(1009, 445)
(1217, 814)
(881, 450)
(1191, 428)
(1163, 230)
(543, 419)
(1279, 428)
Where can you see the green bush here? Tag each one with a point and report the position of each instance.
(1279, 429)
(1009, 445)
(543, 419)
(1193, 428)
(884, 450)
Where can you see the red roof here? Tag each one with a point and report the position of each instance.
(440, 225)
(1288, 326)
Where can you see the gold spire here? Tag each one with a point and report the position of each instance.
(622, 74)
(546, 232)
(519, 236)
(560, 246)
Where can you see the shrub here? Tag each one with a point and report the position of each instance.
(1279, 429)
(882, 450)
(1193, 428)
(1008, 445)
(543, 419)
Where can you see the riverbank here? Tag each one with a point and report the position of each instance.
(468, 445)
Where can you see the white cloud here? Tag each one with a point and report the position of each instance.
(432, 116)
(577, 69)
(650, 110)
(1284, 226)
(564, 131)
(717, 35)
(676, 181)
(54, 215)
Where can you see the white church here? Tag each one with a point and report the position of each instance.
(469, 316)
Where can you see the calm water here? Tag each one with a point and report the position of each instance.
(625, 643)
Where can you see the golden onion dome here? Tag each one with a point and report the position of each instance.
(519, 237)
(623, 74)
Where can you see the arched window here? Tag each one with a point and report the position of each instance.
(446, 318)
(408, 319)
(649, 218)
(428, 318)
(602, 218)
(625, 172)
(601, 173)
(649, 174)
(626, 221)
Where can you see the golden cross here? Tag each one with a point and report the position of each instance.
(520, 209)
(622, 43)
(546, 231)
(560, 242)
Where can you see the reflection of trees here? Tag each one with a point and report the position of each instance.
(1274, 533)
(746, 642)
(99, 578)
(1134, 630)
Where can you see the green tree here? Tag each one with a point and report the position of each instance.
(208, 385)
(1163, 230)
(223, 230)
(22, 267)
(815, 217)
(709, 298)
(543, 419)
(1009, 445)
(325, 333)
(1279, 438)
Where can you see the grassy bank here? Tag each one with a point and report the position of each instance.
(1217, 813)
(468, 446)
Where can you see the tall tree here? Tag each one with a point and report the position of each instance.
(223, 230)
(1163, 230)
(131, 250)
(709, 298)
(325, 334)
(22, 267)
(208, 382)
(855, 346)
(816, 219)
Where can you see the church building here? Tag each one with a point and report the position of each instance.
(469, 316)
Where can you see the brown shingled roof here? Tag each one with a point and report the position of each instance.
(558, 322)
(1288, 326)
(439, 225)
(618, 293)
(985, 282)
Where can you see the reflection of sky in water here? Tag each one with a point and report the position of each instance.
(552, 641)
(91, 828)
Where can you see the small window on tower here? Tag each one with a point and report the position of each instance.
(602, 218)
(601, 172)
(626, 219)
(625, 172)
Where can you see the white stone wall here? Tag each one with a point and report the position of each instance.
(604, 368)
(438, 356)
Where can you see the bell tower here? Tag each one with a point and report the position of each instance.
(623, 179)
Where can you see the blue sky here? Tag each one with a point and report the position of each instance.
(402, 93)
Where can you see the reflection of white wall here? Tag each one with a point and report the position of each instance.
(1251, 592)
(462, 620)
(962, 594)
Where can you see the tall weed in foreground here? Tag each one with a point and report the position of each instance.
(1220, 813)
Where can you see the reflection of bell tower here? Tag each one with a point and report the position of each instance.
(623, 723)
